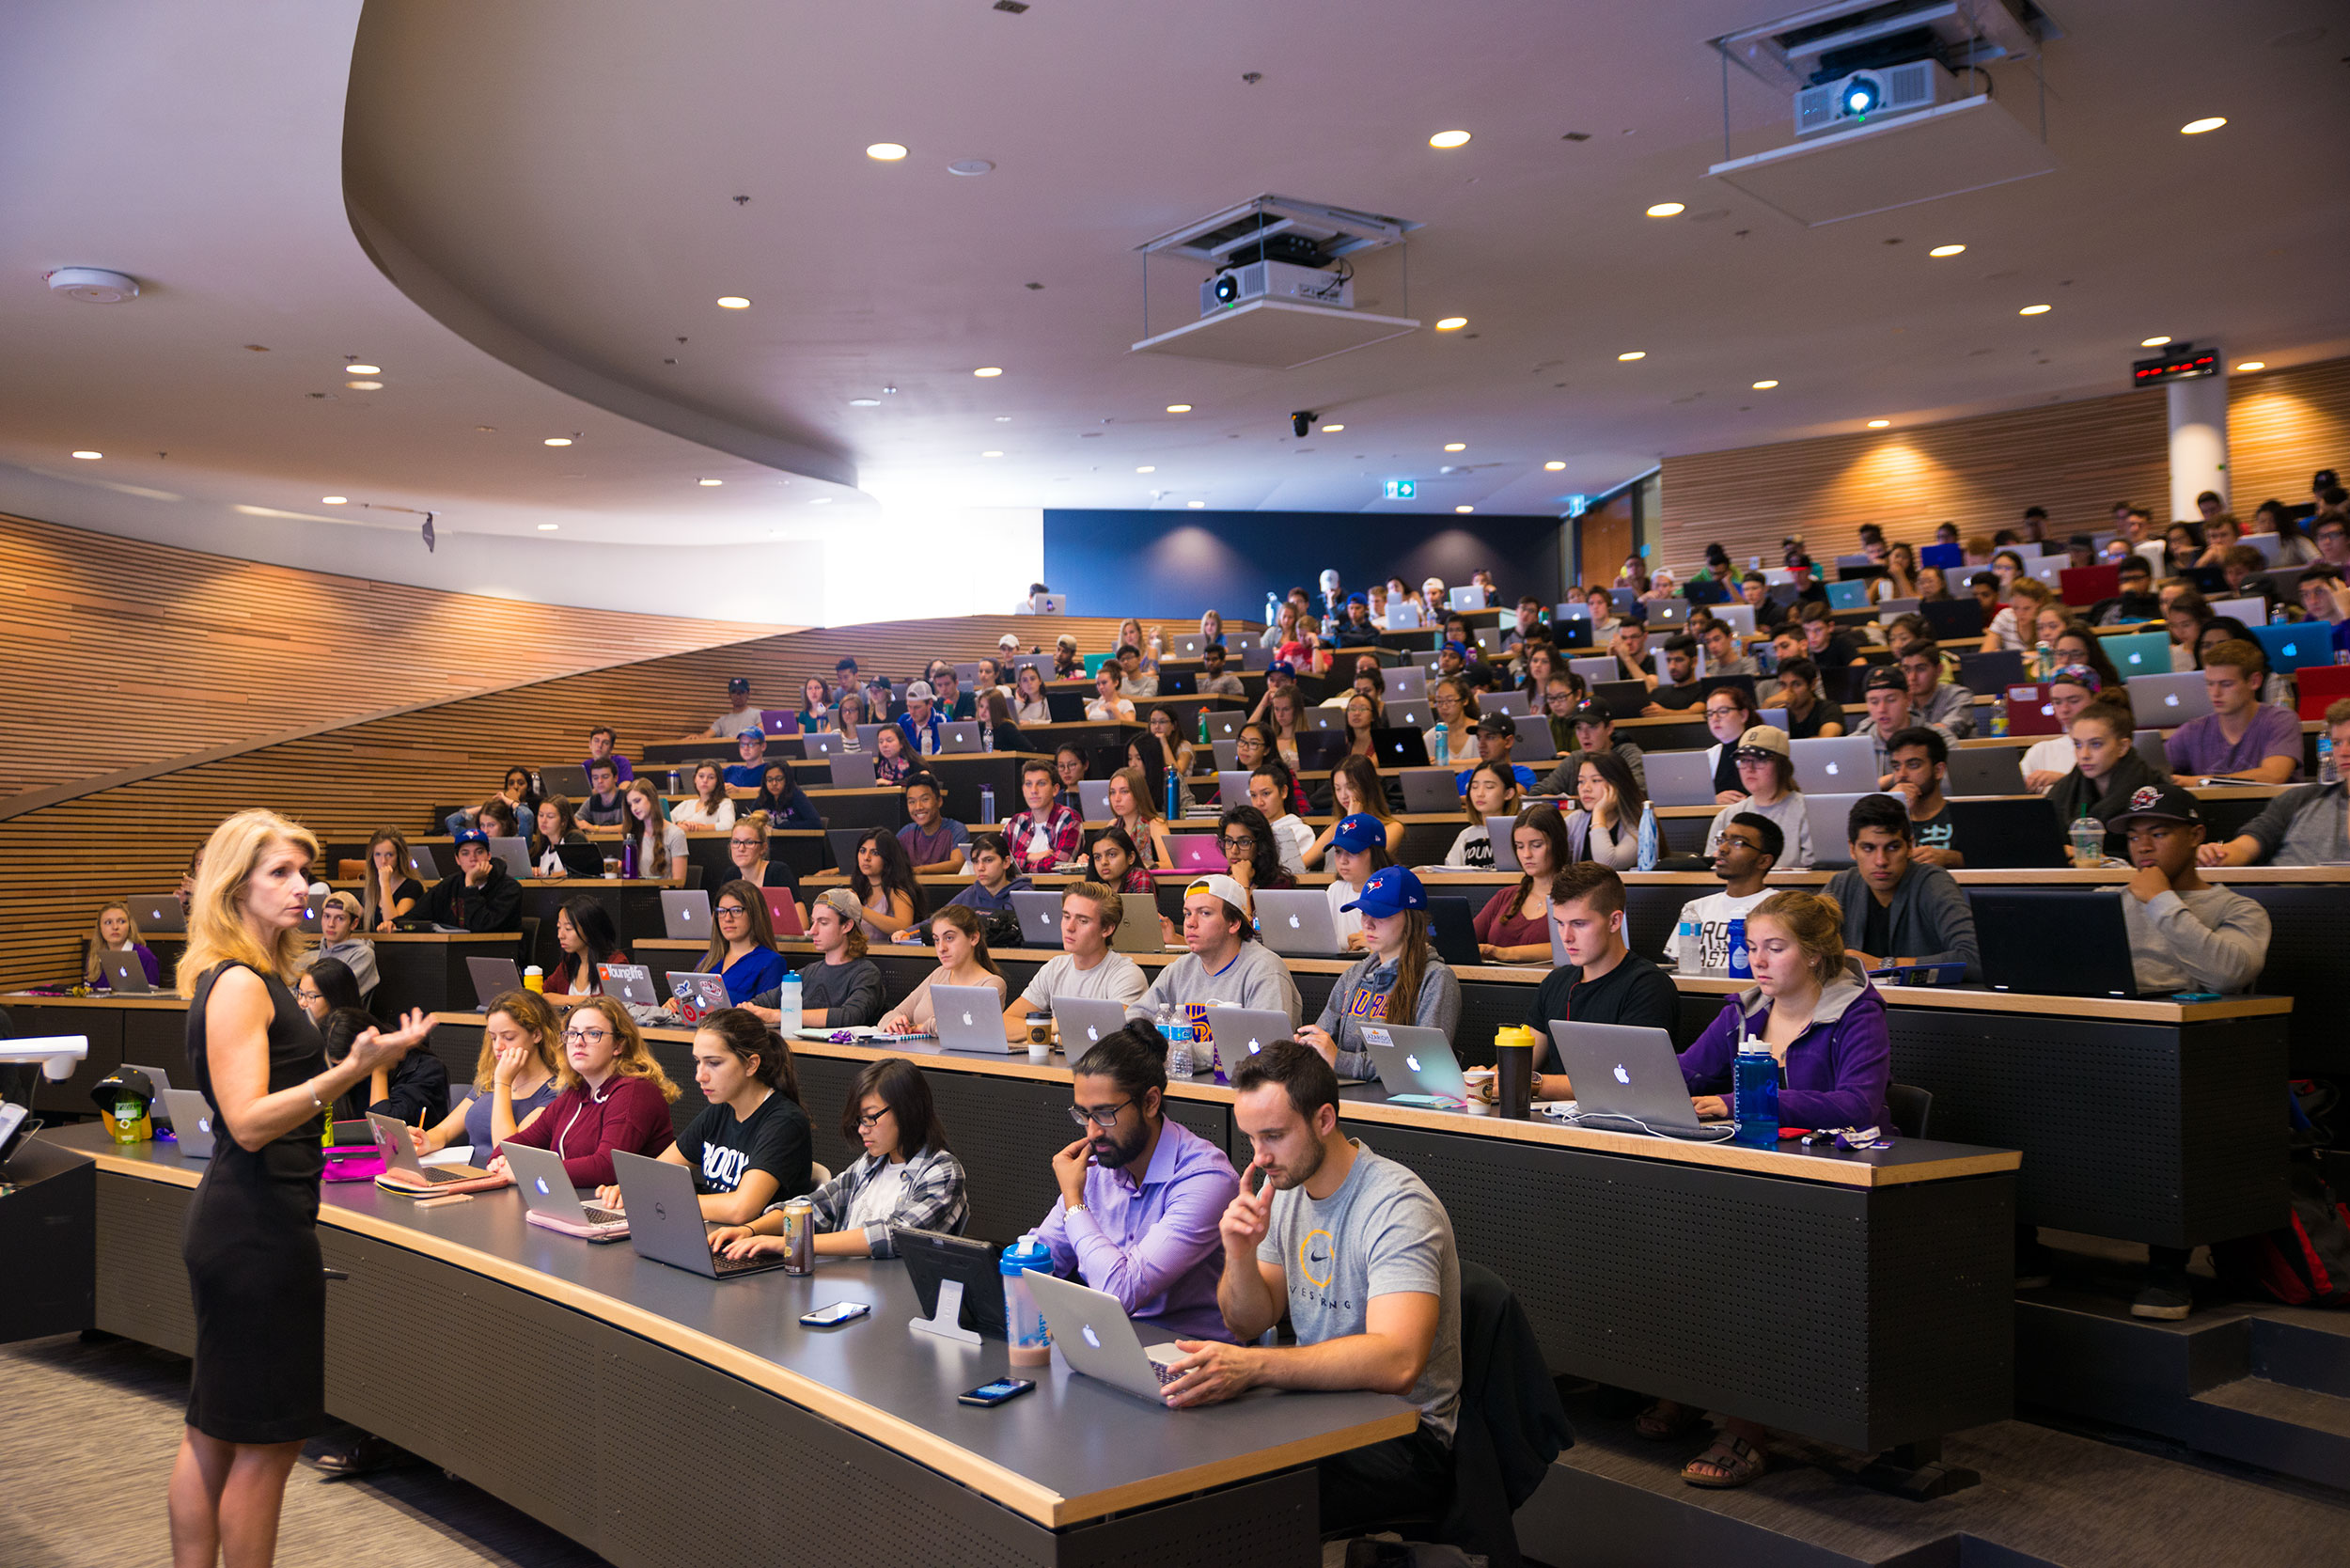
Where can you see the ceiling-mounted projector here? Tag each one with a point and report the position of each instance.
(1276, 280)
(1281, 291)
(1872, 95)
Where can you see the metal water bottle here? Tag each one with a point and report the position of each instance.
(987, 803)
(1648, 836)
(1173, 785)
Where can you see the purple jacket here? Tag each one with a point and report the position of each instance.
(1836, 1069)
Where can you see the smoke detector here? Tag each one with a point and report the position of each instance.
(94, 285)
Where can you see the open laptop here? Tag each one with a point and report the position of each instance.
(516, 854)
(1401, 746)
(783, 912)
(400, 1154)
(843, 843)
(778, 721)
(2167, 701)
(665, 1221)
(851, 770)
(2317, 687)
(1094, 1335)
(2031, 710)
(1453, 928)
(1848, 595)
(191, 1120)
(685, 914)
(1979, 672)
(1830, 818)
(2054, 941)
(125, 975)
(627, 982)
(2008, 832)
(1622, 699)
(1405, 684)
(1680, 778)
(1232, 785)
(1094, 799)
(2087, 585)
(159, 1080)
(158, 914)
(2292, 645)
(1515, 704)
(1665, 616)
(2139, 653)
(1628, 1080)
(1836, 765)
(1298, 924)
(1223, 724)
(565, 779)
(1502, 833)
(969, 1018)
(1417, 1066)
(1320, 750)
(492, 977)
(696, 995)
(959, 737)
(1596, 668)
(2048, 570)
(1413, 713)
(822, 742)
(2251, 610)
(1195, 853)
(1402, 616)
(1534, 741)
(1040, 918)
(1138, 925)
(581, 860)
(1084, 1021)
(1952, 620)
(539, 1176)
(1325, 720)
(1427, 789)
(1236, 1032)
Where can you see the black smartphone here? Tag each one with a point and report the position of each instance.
(997, 1391)
(835, 1314)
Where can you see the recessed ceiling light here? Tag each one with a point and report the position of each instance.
(708, 484)
(1635, 354)
(1948, 250)
(1554, 465)
(885, 153)
(1667, 210)
(1453, 324)
(89, 457)
(2155, 341)
(1148, 468)
(2036, 310)
(1879, 424)
(549, 527)
(1464, 509)
(1764, 385)
(558, 441)
(2197, 127)
(1195, 505)
(2253, 365)
(365, 386)
(865, 403)
(1179, 408)
(334, 500)
(1003, 418)
(990, 454)
(1456, 446)
(363, 369)
(733, 302)
(986, 371)
(1332, 430)
(1448, 139)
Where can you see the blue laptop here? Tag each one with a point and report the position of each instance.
(1853, 595)
(2139, 654)
(2291, 645)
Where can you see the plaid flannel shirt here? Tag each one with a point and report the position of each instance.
(932, 1198)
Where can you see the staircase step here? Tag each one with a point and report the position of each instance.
(2308, 1347)
(2294, 1431)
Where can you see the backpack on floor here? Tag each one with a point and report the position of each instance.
(2305, 1262)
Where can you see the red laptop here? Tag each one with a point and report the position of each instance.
(2086, 584)
(2321, 686)
(2032, 711)
(783, 911)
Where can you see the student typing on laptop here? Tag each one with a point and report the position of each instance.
(1604, 980)
(514, 1080)
(610, 1093)
(962, 960)
(1360, 1256)
(904, 1174)
(1142, 1197)
(749, 1146)
(742, 946)
(1398, 980)
(1226, 962)
(1085, 966)
(842, 989)
(1898, 909)
(2242, 737)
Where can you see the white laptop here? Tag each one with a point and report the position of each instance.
(629, 982)
(1093, 800)
(1298, 924)
(1680, 778)
(2267, 545)
(1084, 1021)
(1040, 918)
(400, 1154)
(1738, 618)
(1417, 1066)
(1402, 616)
(492, 977)
(1243, 1031)
(125, 975)
(969, 1018)
(1835, 765)
(1224, 725)
(821, 743)
(516, 854)
(1627, 1080)
(191, 1122)
(1094, 1335)
(1466, 598)
(2251, 610)
(960, 737)
(1231, 786)
(1595, 670)
(685, 914)
(544, 1184)
(1830, 818)
(2167, 701)
(2047, 569)
(852, 770)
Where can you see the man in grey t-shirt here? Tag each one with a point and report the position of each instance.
(1085, 967)
(1360, 1255)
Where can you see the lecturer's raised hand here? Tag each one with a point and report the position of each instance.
(376, 1049)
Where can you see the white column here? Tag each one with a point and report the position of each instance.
(2198, 442)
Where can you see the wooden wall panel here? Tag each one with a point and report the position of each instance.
(2076, 459)
(121, 650)
(1603, 539)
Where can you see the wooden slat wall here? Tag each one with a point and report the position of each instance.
(2076, 459)
(58, 863)
(121, 650)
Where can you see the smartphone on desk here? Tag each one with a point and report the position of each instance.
(835, 1314)
(996, 1392)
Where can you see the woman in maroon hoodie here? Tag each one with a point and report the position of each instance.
(611, 1095)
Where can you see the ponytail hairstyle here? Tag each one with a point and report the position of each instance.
(766, 1053)
(1815, 922)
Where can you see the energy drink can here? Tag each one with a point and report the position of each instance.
(799, 1236)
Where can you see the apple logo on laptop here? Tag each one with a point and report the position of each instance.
(1294, 922)
(2170, 700)
(203, 1124)
(1411, 1062)
(543, 1187)
(661, 1212)
(1255, 1047)
(966, 1019)
(1092, 1338)
(1093, 1033)
(1833, 769)
(1623, 1076)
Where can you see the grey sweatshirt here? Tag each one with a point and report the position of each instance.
(2207, 940)
(1360, 997)
(1930, 917)
(1256, 979)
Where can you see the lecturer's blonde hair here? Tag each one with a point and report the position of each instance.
(217, 931)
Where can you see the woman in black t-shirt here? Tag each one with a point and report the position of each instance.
(749, 1147)
(392, 894)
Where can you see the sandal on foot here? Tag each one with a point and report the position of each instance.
(1664, 1421)
(369, 1453)
(1732, 1461)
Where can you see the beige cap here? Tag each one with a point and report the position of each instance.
(1767, 738)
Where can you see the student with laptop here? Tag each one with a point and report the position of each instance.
(920, 725)
(2306, 825)
(1823, 643)
(1046, 833)
(585, 936)
(1374, 1296)
(1142, 1197)
(963, 961)
(2242, 738)
(1767, 766)
(2107, 772)
(1897, 908)
(610, 1094)
(1919, 759)
(1398, 979)
(555, 824)
(413, 1090)
(1109, 705)
(843, 988)
(1810, 715)
(339, 939)
(746, 846)
(1225, 962)
(1745, 854)
(2135, 603)
(992, 884)
(1496, 740)
(750, 765)
(1454, 706)
(749, 1147)
(1885, 693)
(1085, 966)
(740, 715)
(1133, 806)
(905, 1176)
(479, 896)
(660, 843)
(1604, 980)
(513, 1077)
(1269, 788)
(1932, 699)
(1629, 649)
(742, 946)
(117, 932)
(1595, 731)
(711, 806)
(1678, 691)
(1493, 792)
(602, 806)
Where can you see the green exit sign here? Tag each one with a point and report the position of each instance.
(1403, 489)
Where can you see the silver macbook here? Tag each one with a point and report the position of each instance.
(969, 1018)
(1680, 778)
(959, 737)
(191, 1121)
(400, 1154)
(1227, 752)
(1225, 725)
(125, 975)
(865, 734)
(1402, 616)
(1415, 1065)
(1231, 786)
(824, 743)
(1093, 800)
(1084, 1021)
(1596, 669)
(161, 1081)
(1835, 765)
(492, 977)
(1738, 618)
(421, 866)
(1466, 598)
(516, 854)
(1408, 712)
(852, 770)
(1830, 818)
(1627, 1080)
(2252, 610)
(1094, 1335)
(665, 1221)
(1406, 684)
(158, 912)
(1512, 703)
(1668, 615)
(1298, 924)
(1243, 1031)
(1427, 789)
(565, 779)
(2167, 701)
(1534, 741)
(629, 982)
(1502, 831)
(685, 914)
(554, 1203)
(1040, 918)
(1324, 719)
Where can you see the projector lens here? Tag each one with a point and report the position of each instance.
(1227, 288)
(1860, 97)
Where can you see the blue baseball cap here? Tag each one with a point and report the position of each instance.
(469, 836)
(1358, 833)
(1362, 599)
(1390, 891)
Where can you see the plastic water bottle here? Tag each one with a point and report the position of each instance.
(1648, 836)
(2328, 766)
(987, 803)
(2043, 661)
(787, 1004)
(1024, 1321)
(1999, 714)
(1272, 610)
(1687, 938)
(538, 791)
(1441, 753)
(2088, 841)
(1175, 1028)
(1754, 1095)
(1741, 963)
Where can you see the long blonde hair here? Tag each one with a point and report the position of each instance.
(636, 1058)
(217, 933)
(534, 1014)
(94, 946)
(1815, 922)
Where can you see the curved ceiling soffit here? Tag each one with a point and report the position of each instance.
(433, 293)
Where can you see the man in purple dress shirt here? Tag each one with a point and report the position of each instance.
(2242, 737)
(1142, 1197)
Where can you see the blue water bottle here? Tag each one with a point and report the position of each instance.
(1173, 785)
(987, 803)
(1741, 966)
(1441, 753)
(1754, 1095)
(1648, 836)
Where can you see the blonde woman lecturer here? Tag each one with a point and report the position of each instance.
(259, 1386)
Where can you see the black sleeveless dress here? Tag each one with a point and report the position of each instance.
(251, 1249)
